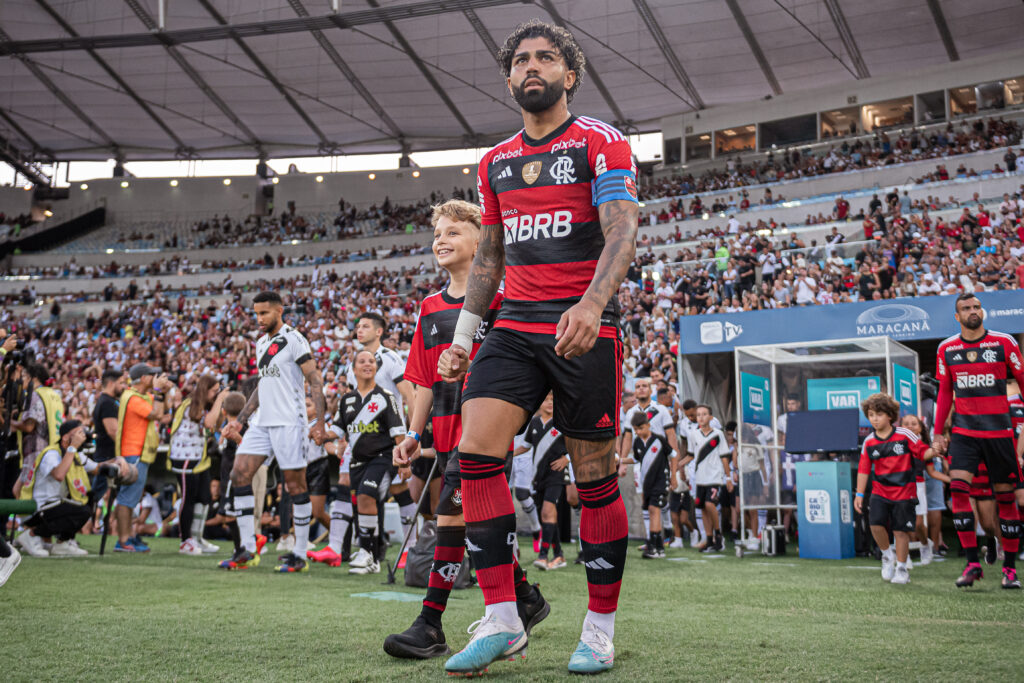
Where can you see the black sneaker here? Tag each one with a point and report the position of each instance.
(532, 612)
(990, 552)
(291, 564)
(241, 559)
(650, 553)
(971, 574)
(1010, 580)
(419, 641)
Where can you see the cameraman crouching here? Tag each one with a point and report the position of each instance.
(59, 484)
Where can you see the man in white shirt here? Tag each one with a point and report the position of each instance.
(370, 329)
(278, 431)
(806, 288)
(711, 458)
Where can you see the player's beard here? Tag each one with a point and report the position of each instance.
(973, 322)
(537, 101)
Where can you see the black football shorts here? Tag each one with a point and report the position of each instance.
(521, 368)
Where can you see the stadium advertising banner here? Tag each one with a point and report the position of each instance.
(842, 392)
(757, 399)
(927, 317)
(904, 385)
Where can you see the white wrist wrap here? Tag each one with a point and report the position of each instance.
(465, 330)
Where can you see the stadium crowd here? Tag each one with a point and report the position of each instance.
(967, 137)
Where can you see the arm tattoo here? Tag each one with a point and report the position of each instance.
(487, 271)
(316, 388)
(591, 460)
(619, 225)
(250, 406)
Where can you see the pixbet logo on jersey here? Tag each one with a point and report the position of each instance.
(537, 226)
(966, 381)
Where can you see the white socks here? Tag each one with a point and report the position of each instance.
(605, 622)
(198, 521)
(506, 612)
(302, 512)
(341, 517)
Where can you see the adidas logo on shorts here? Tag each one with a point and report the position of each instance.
(605, 422)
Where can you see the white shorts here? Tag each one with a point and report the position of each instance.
(921, 509)
(283, 443)
(522, 471)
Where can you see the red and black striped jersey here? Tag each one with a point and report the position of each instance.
(1017, 418)
(891, 462)
(434, 331)
(545, 194)
(972, 380)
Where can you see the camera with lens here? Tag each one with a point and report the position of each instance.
(19, 356)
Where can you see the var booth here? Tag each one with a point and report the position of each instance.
(800, 426)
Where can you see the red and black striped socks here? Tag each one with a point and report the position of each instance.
(604, 532)
(490, 526)
(448, 554)
(1009, 526)
(963, 518)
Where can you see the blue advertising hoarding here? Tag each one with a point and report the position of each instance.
(927, 317)
(904, 386)
(841, 392)
(757, 399)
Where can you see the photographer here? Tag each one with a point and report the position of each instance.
(139, 412)
(104, 421)
(37, 427)
(59, 484)
(194, 421)
(11, 402)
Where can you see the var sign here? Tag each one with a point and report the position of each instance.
(842, 399)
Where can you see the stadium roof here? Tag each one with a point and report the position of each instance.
(225, 78)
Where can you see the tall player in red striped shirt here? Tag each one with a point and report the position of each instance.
(456, 237)
(559, 223)
(972, 369)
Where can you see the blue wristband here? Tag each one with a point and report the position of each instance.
(860, 495)
(413, 435)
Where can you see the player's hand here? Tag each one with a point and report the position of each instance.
(577, 330)
(939, 444)
(858, 504)
(232, 429)
(453, 364)
(560, 464)
(405, 452)
(318, 433)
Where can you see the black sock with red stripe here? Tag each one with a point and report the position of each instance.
(549, 530)
(1009, 526)
(604, 531)
(490, 525)
(448, 554)
(963, 518)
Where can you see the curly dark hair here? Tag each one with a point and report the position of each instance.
(882, 403)
(560, 37)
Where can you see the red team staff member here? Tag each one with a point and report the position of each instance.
(973, 368)
(559, 223)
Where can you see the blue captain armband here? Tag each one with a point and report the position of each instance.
(612, 185)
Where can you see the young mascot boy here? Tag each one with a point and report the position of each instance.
(887, 454)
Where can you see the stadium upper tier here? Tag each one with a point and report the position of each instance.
(53, 270)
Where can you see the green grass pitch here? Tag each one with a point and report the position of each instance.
(167, 617)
